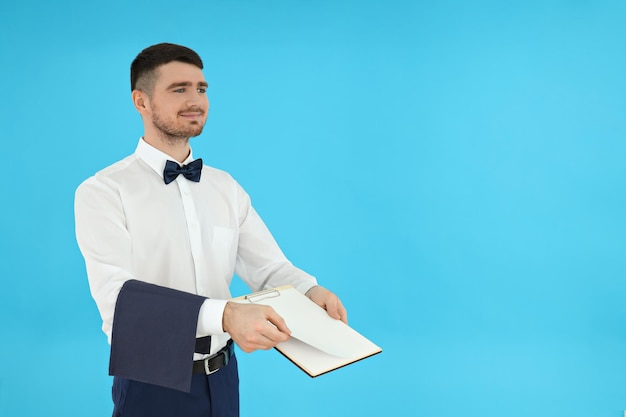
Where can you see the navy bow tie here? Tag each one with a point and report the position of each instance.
(191, 171)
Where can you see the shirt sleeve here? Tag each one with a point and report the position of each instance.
(105, 243)
(210, 317)
(260, 261)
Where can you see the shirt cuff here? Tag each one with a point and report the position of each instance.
(306, 286)
(210, 317)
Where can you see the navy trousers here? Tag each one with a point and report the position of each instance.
(215, 395)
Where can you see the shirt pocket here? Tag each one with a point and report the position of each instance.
(224, 243)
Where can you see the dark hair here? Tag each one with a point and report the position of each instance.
(142, 70)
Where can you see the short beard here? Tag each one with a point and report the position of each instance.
(173, 133)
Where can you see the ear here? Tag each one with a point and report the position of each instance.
(141, 101)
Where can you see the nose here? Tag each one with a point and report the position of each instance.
(198, 100)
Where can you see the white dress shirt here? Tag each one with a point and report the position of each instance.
(187, 236)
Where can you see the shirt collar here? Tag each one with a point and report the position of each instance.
(155, 158)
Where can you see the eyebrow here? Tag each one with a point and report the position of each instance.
(186, 84)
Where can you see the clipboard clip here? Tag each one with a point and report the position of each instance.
(261, 295)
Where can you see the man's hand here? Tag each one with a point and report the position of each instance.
(329, 302)
(254, 327)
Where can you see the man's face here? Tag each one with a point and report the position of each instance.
(179, 104)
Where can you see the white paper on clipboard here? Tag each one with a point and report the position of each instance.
(318, 343)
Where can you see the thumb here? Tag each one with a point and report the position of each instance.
(274, 318)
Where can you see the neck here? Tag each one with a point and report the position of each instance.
(176, 147)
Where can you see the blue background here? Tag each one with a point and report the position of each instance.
(454, 170)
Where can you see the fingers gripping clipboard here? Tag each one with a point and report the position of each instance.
(318, 343)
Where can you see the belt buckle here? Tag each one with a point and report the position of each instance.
(207, 368)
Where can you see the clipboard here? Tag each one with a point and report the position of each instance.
(318, 344)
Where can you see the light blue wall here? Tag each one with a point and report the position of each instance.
(454, 170)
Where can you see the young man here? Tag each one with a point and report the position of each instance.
(162, 235)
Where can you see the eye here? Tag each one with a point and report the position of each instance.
(202, 90)
(179, 90)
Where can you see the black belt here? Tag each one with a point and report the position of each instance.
(214, 362)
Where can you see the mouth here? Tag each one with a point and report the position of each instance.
(191, 115)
